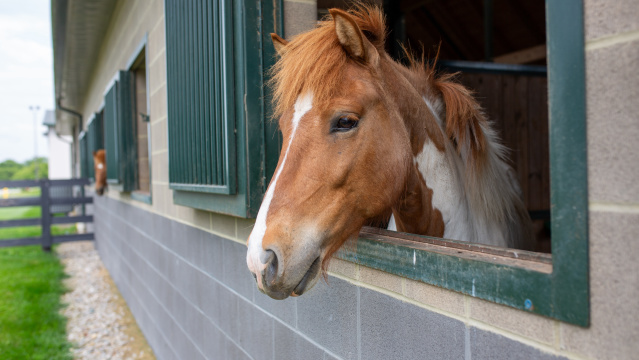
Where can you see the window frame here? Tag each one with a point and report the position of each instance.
(84, 154)
(556, 285)
(131, 63)
(256, 140)
(94, 124)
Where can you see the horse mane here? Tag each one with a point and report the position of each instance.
(314, 61)
(489, 182)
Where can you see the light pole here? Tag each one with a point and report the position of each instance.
(34, 109)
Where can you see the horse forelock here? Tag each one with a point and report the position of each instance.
(315, 61)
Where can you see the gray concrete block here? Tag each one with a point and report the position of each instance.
(213, 251)
(193, 285)
(193, 325)
(161, 345)
(180, 311)
(328, 356)
(184, 346)
(195, 249)
(328, 314)
(285, 310)
(612, 92)
(164, 261)
(391, 328)
(144, 221)
(213, 341)
(235, 273)
(614, 290)
(255, 331)
(174, 265)
(178, 237)
(227, 312)
(207, 298)
(605, 18)
(186, 245)
(290, 345)
(232, 351)
(491, 346)
(185, 278)
(161, 229)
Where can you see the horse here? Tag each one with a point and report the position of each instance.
(99, 163)
(365, 136)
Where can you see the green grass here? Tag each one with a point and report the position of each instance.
(31, 326)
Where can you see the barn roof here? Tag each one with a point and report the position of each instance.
(78, 28)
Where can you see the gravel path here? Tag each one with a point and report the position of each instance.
(100, 325)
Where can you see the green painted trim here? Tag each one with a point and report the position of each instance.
(215, 189)
(111, 134)
(233, 205)
(503, 284)
(84, 154)
(564, 293)
(127, 131)
(142, 197)
(568, 160)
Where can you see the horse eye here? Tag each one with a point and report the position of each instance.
(345, 123)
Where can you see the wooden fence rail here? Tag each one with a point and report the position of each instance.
(46, 219)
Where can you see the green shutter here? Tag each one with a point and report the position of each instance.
(110, 135)
(95, 141)
(222, 147)
(201, 102)
(120, 132)
(84, 164)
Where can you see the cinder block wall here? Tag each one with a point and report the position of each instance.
(183, 273)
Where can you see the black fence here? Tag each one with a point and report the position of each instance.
(46, 201)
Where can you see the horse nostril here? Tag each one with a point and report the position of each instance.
(270, 271)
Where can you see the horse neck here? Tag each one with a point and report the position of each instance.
(438, 200)
(433, 202)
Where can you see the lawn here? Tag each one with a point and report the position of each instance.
(31, 326)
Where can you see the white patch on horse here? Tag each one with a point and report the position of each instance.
(256, 255)
(391, 224)
(441, 174)
(444, 173)
(100, 166)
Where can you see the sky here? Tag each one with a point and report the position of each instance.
(26, 76)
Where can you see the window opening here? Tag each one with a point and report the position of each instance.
(142, 124)
(498, 49)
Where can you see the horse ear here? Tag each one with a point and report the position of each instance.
(278, 43)
(350, 35)
(95, 153)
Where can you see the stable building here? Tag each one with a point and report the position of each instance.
(177, 94)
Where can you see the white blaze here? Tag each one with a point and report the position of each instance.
(256, 255)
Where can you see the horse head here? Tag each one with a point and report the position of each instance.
(99, 162)
(362, 136)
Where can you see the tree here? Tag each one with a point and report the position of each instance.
(26, 171)
(8, 168)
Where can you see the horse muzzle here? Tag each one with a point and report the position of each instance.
(280, 282)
